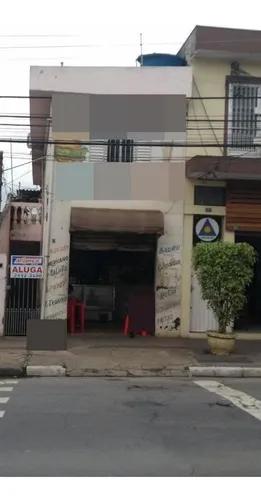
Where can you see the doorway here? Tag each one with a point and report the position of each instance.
(113, 273)
(250, 316)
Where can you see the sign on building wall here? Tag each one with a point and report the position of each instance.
(206, 229)
(71, 152)
(26, 266)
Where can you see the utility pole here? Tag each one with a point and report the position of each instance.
(1, 178)
(12, 173)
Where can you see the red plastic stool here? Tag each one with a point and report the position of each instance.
(80, 312)
(71, 314)
(126, 325)
(76, 310)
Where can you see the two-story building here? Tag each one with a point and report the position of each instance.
(113, 199)
(223, 185)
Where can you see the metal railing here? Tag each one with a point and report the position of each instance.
(26, 221)
(22, 303)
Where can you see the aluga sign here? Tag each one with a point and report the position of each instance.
(26, 266)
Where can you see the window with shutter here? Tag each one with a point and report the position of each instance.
(119, 151)
(98, 153)
(242, 119)
(142, 153)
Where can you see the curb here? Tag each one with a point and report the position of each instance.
(191, 371)
(225, 371)
(45, 371)
(61, 371)
(128, 373)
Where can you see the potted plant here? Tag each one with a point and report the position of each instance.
(224, 270)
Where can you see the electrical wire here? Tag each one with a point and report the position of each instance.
(19, 177)
(37, 36)
(23, 164)
(118, 44)
(192, 98)
(168, 144)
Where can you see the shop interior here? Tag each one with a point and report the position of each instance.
(250, 317)
(112, 275)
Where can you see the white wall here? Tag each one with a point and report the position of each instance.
(112, 80)
(48, 200)
(54, 302)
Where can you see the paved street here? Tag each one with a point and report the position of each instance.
(129, 427)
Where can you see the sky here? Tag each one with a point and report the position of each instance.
(84, 33)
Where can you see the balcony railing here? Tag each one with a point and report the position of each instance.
(26, 221)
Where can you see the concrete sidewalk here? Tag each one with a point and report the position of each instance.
(95, 355)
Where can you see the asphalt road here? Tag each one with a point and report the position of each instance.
(126, 427)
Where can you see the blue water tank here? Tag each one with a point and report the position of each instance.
(156, 59)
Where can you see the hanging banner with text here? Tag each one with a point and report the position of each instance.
(26, 266)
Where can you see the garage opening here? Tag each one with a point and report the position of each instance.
(113, 275)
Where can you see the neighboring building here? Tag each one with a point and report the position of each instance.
(20, 234)
(224, 179)
(113, 211)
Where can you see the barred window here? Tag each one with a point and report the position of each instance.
(242, 120)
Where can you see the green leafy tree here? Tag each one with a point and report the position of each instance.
(224, 270)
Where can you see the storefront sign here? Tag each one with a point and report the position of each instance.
(207, 229)
(26, 266)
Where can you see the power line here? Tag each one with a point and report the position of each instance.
(197, 118)
(19, 177)
(37, 36)
(28, 116)
(17, 166)
(39, 125)
(25, 125)
(218, 120)
(26, 163)
(24, 96)
(167, 144)
(114, 44)
(204, 98)
(24, 116)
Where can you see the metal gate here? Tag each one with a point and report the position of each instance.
(22, 303)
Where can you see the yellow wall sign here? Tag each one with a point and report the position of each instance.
(71, 152)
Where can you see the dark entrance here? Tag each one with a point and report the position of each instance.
(111, 273)
(250, 317)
